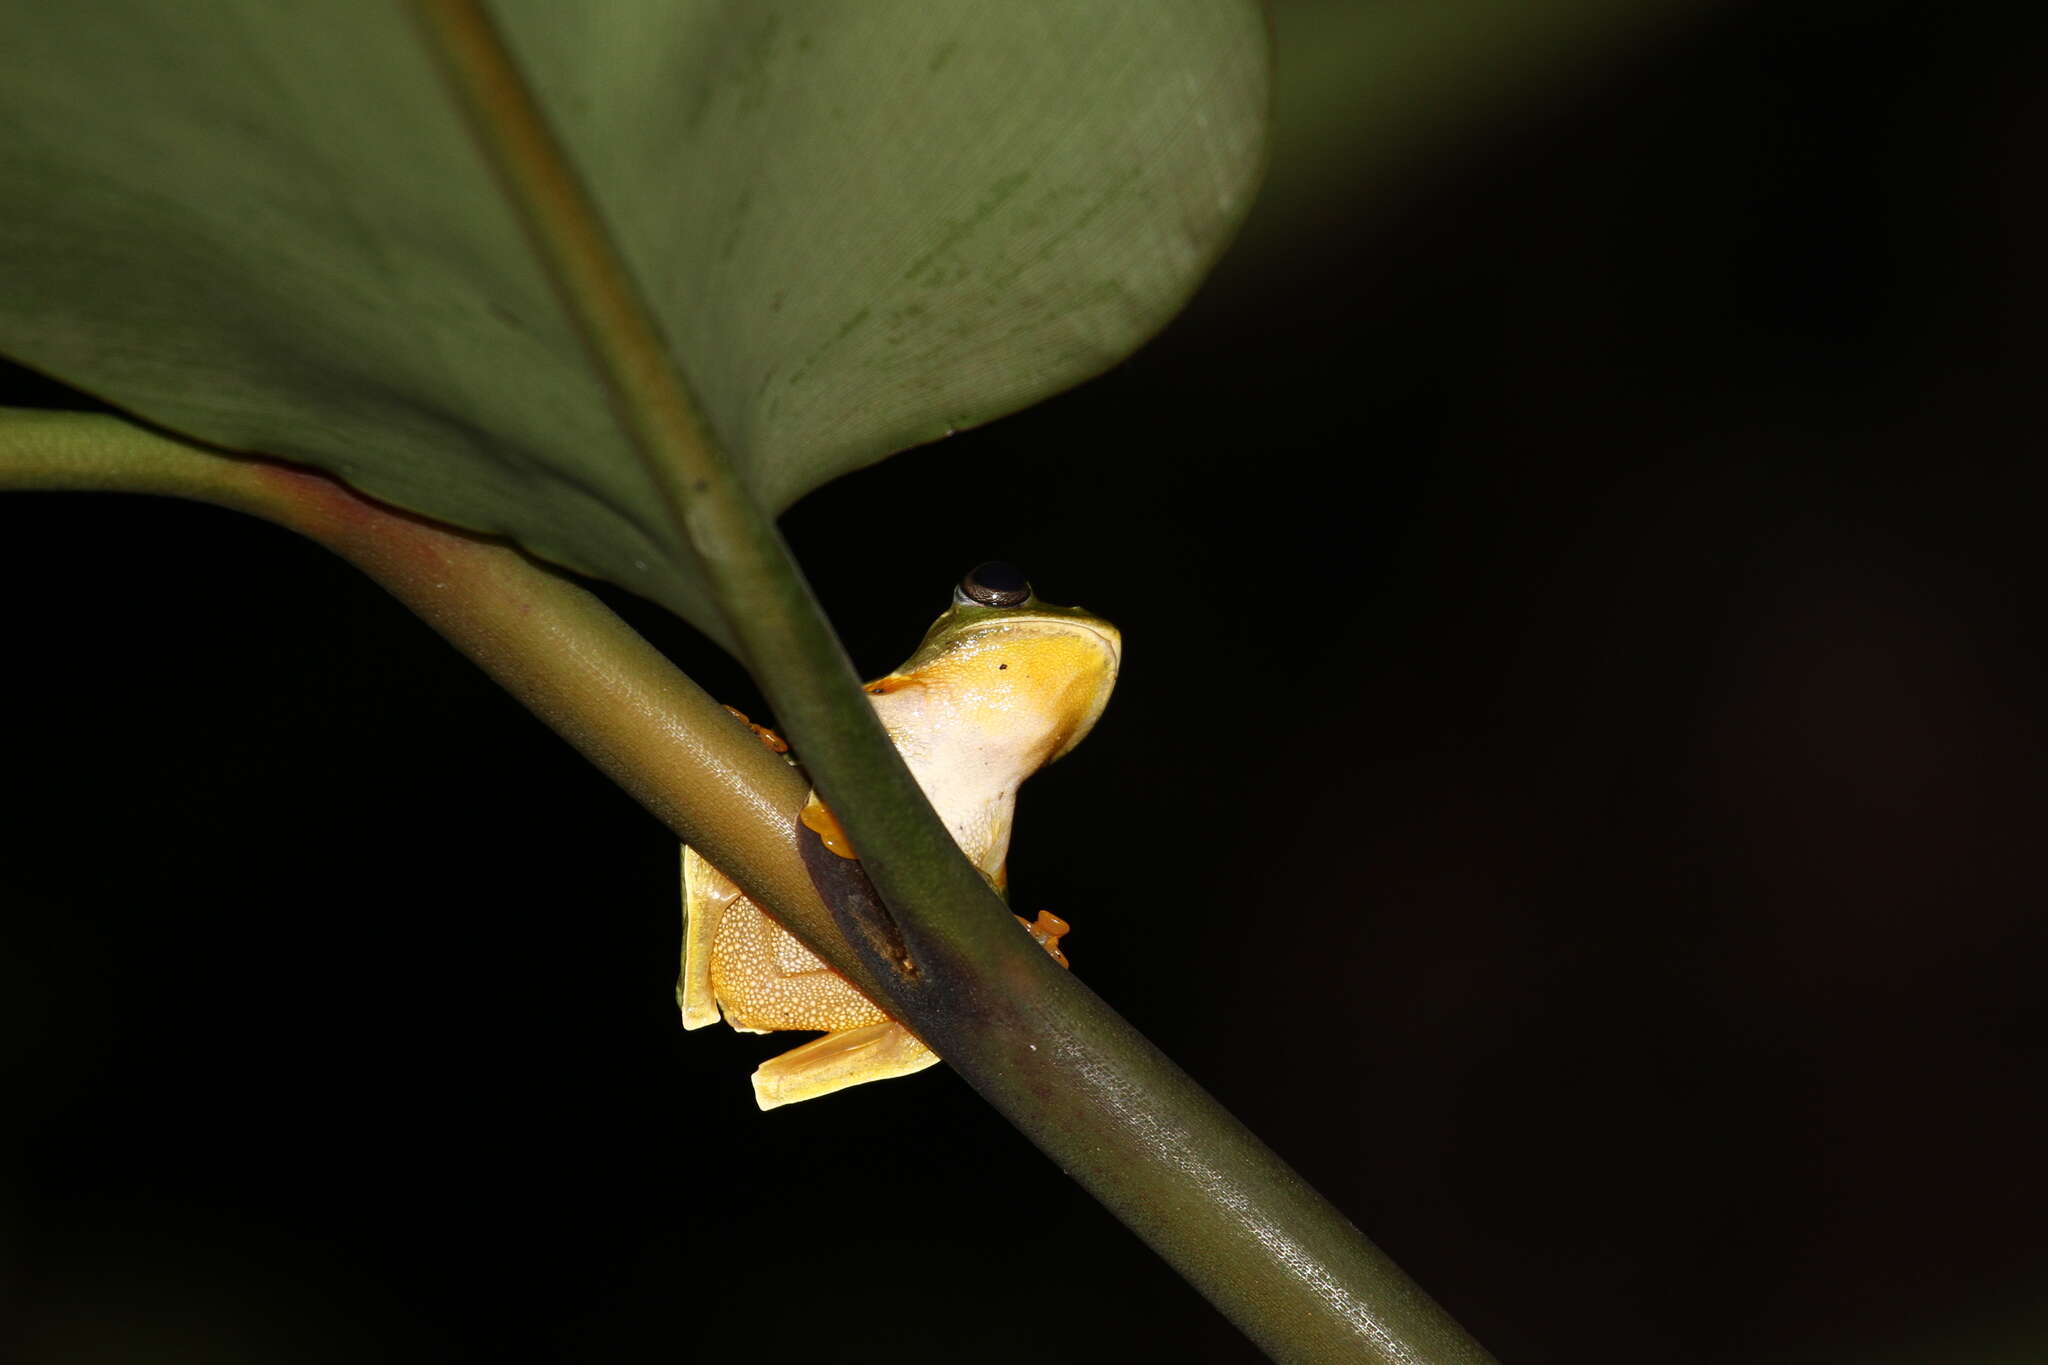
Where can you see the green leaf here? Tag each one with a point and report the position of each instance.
(862, 226)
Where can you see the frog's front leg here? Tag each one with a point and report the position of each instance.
(856, 1056)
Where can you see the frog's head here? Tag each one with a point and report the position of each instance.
(1011, 665)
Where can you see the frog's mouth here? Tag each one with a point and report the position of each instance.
(1078, 624)
(1112, 641)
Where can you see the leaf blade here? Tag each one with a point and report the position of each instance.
(263, 226)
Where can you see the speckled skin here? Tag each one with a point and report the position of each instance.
(991, 696)
(762, 977)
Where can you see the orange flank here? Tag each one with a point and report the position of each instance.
(895, 682)
(766, 735)
(819, 819)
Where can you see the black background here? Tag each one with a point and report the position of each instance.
(1576, 790)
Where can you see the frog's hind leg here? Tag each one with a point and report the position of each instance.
(875, 1052)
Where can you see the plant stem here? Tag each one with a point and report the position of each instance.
(555, 647)
(1079, 1081)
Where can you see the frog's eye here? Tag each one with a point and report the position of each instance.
(995, 584)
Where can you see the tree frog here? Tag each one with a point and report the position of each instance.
(1002, 685)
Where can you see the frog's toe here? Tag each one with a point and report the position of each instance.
(1046, 932)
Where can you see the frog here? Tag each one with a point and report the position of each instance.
(1001, 685)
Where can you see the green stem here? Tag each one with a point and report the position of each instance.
(549, 643)
(1083, 1085)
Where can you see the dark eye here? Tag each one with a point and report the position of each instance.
(995, 584)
